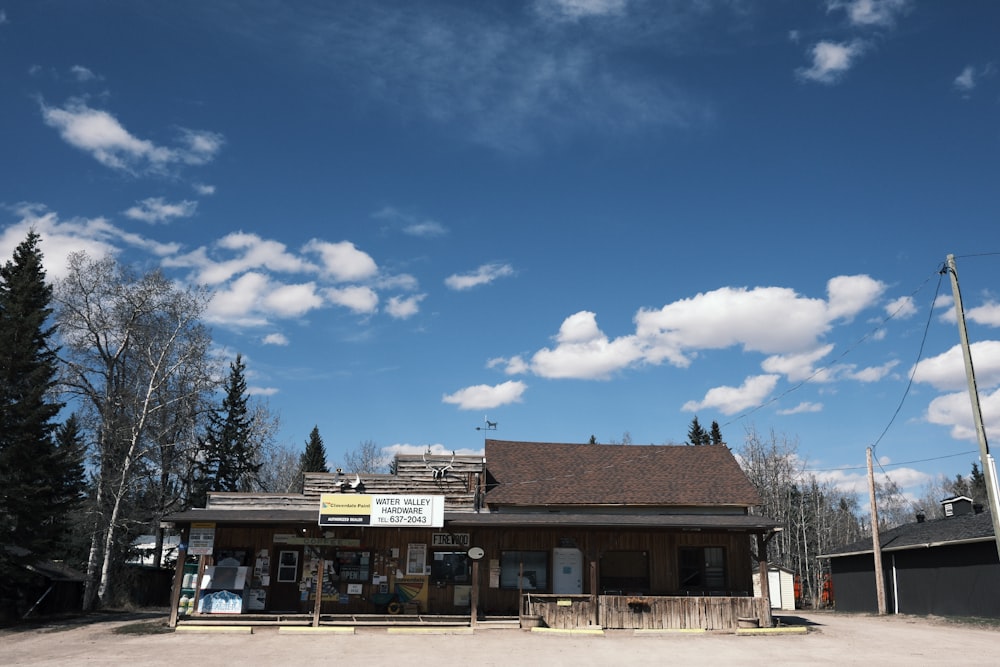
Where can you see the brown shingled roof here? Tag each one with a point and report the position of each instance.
(542, 473)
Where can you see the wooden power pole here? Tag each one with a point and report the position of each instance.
(989, 465)
(876, 540)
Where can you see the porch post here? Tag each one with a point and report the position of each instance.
(474, 599)
(594, 593)
(178, 583)
(317, 605)
(765, 591)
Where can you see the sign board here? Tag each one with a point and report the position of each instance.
(397, 511)
(202, 539)
(450, 540)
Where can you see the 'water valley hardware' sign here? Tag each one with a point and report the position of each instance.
(349, 509)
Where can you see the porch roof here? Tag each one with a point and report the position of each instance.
(694, 522)
(733, 522)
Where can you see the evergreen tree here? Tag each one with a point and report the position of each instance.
(715, 434)
(230, 460)
(29, 470)
(70, 491)
(313, 459)
(696, 434)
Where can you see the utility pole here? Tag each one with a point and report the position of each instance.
(989, 465)
(876, 540)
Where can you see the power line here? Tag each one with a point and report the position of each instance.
(920, 353)
(893, 465)
(847, 351)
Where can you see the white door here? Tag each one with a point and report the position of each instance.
(567, 571)
(774, 588)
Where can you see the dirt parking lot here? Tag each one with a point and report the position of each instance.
(832, 638)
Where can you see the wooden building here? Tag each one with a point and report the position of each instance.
(576, 535)
(944, 567)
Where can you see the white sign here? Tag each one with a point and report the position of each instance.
(202, 539)
(398, 511)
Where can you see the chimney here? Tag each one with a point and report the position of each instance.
(921, 516)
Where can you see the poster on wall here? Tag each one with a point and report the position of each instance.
(416, 559)
(202, 539)
(494, 573)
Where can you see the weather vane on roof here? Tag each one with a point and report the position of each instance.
(490, 426)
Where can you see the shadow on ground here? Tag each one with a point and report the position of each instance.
(70, 621)
(787, 620)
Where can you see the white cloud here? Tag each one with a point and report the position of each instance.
(585, 352)
(485, 397)
(988, 314)
(831, 60)
(730, 400)
(252, 252)
(3, 17)
(155, 209)
(849, 295)
(343, 261)
(484, 275)
(275, 339)
(204, 189)
(739, 316)
(796, 367)
(292, 300)
(82, 74)
(102, 136)
(95, 236)
(262, 391)
(411, 224)
(873, 373)
(720, 319)
(522, 85)
(516, 365)
(882, 13)
(359, 299)
(801, 408)
(237, 303)
(946, 371)
(966, 81)
(955, 411)
(403, 308)
(435, 449)
(902, 307)
(578, 9)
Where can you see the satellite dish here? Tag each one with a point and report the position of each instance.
(475, 553)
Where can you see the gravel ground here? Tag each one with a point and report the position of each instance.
(841, 639)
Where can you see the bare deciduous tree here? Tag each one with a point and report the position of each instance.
(126, 340)
(367, 457)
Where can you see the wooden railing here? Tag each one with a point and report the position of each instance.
(645, 612)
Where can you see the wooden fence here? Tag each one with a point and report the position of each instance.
(644, 613)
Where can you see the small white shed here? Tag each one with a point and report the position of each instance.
(781, 586)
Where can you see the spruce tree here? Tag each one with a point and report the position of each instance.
(696, 434)
(29, 470)
(70, 491)
(229, 458)
(715, 434)
(313, 459)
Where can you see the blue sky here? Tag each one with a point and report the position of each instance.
(572, 217)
